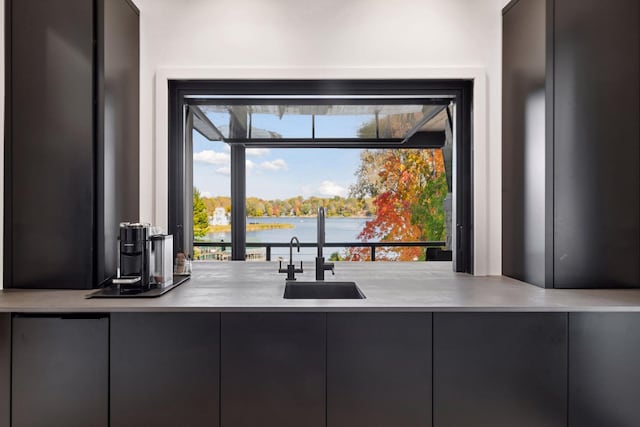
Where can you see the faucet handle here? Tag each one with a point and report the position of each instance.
(330, 266)
(290, 271)
(280, 269)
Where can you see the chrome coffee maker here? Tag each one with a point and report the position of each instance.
(145, 257)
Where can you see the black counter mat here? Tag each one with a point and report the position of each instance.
(114, 292)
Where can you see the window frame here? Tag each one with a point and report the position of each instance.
(182, 93)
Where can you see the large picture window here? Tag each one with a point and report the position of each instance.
(389, 161)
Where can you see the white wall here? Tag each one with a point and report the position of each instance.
(296, 35)
(304, 37)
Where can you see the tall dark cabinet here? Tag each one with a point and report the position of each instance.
(571, 143)
(71, 139)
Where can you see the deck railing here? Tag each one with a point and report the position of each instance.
(370, 245)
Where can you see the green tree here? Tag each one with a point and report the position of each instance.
(428, 211)
(200, 217)
(335, 256)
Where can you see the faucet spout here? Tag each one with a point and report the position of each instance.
(321, 230)
(293, 239)
(291, 269)
(321, 266)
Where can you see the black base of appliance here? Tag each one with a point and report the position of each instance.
(116, 292)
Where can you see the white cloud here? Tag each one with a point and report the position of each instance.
(257, 152)
(205, 194)
(330, 189)
(225, 170)
(211, 157)
(274, 165)
(223, 160)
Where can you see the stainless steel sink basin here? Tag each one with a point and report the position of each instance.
(322, 290)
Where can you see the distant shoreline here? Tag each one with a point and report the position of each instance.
(250, 227)
(261, 226)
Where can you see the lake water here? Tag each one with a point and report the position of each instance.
(305, 229)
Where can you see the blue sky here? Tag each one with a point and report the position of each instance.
(282, 173)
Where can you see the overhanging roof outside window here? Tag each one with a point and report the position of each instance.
(332, 123)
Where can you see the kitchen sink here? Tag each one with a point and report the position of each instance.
(322, 290)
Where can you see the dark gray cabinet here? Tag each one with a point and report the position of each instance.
(71, 138)
(378, 369)
(571, 142)
(500, 369)
(320, 369)
(273, 369)
(524, 154)
(5, 369)
(604, 373)
(165, 369)
(60, 371)
(597, 143)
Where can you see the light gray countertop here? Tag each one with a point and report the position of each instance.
(256, 286)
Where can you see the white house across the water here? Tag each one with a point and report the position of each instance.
(219, 217)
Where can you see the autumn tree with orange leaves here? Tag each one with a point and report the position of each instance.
(409, 187)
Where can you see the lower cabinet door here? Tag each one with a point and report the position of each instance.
(5, 369)
(273, 369)
(604, 369)
(379, 369)
(500, 369)
(60, 372)
(165, 369)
